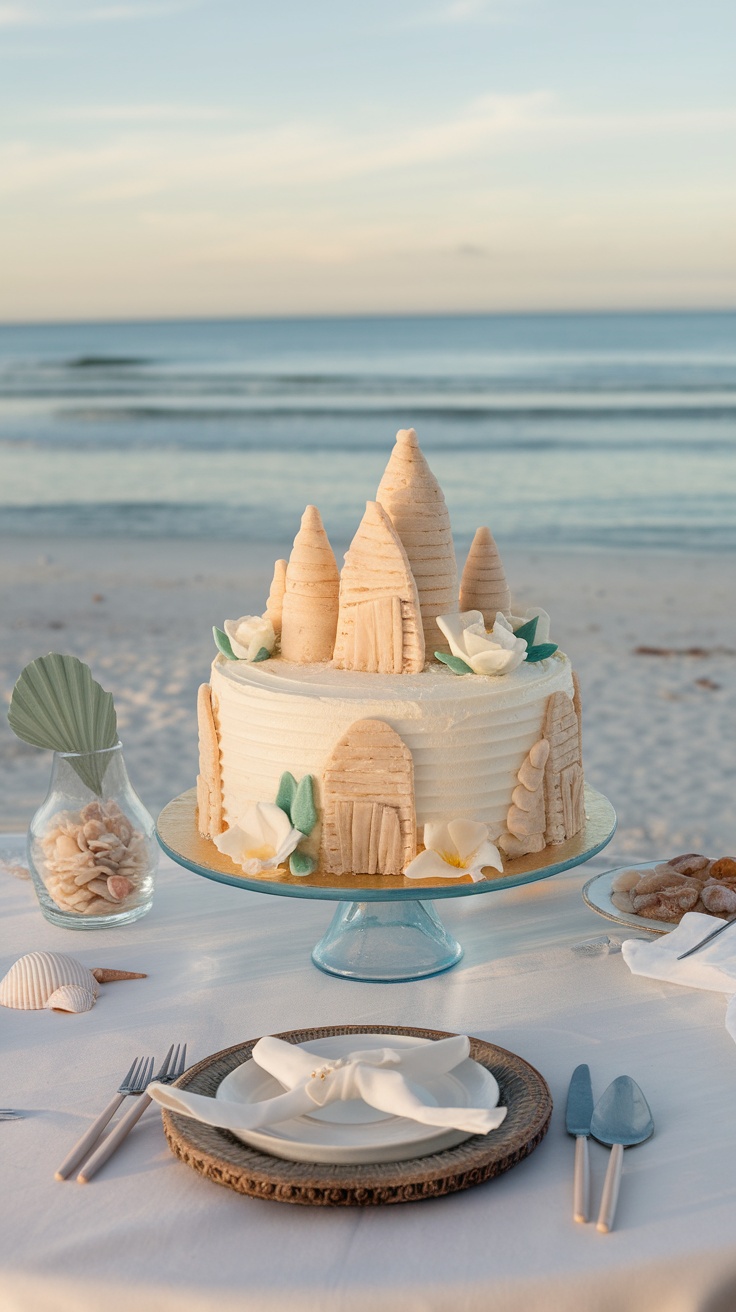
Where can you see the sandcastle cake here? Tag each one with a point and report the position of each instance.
(384, 719)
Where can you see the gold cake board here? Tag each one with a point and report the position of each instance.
(180, 838)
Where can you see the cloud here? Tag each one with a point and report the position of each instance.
(56, 14)
(459, 12)
(154, 113)
(167, 149)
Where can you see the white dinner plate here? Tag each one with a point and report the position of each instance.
(353, 1133)
(597, 894)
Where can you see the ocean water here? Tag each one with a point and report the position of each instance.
(576, 431)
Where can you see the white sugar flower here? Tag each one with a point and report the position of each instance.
(454, 849)
(261, 840)
(250, 635)
(497, 652)
(543, 623)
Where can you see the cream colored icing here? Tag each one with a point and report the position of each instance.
(468, 735)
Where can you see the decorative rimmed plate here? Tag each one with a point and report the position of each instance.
(597, 895)
(220, 1157)
(352, 1132)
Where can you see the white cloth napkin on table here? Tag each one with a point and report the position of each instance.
(380, 1076)
(713, 967)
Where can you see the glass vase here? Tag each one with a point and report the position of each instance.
(92, 851)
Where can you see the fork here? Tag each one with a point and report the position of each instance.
(174, 1065)
(134, 1083)
(7, 1114)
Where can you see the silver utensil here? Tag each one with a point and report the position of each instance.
(173, 1066)
(134, 1083)
(7, 1114)
(621, 1119)
(577, 1121)
(708, 939)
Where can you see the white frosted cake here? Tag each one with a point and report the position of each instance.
(380, 722)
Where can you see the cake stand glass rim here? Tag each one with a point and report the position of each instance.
(179, 838)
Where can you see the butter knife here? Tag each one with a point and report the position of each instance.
(708, 939)
(578, 1116)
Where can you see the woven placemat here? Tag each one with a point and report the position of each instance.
(220, 1157)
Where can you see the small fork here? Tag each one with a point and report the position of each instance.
(134, 1083)
(174, 1065)
(7, 1114)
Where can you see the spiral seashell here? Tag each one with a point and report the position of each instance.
(71, 997)
(32, 981)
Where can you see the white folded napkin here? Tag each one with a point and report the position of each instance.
(379, 1076)
(713, 967)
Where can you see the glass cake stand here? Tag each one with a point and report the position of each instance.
(383, 932)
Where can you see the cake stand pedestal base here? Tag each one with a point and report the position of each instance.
(382, 930)
(386, 942)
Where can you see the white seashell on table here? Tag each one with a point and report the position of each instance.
(71, 997)
(93, 859)
(51, 979)
(33, 979)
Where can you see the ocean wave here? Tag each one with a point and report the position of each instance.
(253, 524)
(466, 413)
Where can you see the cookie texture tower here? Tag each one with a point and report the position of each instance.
(414, 502)
(311, 595)
(483, 584)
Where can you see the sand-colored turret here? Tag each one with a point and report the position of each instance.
(379, 627)
(275, 603)
(483, 585)
(413, 500)
(310, 602)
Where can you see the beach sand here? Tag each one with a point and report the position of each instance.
(659, 728)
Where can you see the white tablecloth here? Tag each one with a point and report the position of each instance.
(226, 965)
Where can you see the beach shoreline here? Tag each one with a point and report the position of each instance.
(652, 635)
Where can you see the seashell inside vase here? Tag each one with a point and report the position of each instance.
(92, 857)
(51, 979)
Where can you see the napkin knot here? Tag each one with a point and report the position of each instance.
(392, 1080)
(323, 1071)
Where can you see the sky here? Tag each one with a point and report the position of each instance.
(168, 158)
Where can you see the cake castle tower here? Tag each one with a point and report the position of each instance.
(415, 504)
(380, 615)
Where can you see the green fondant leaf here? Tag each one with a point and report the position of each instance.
(263, 655)
(286, 794)
(222, 642)
(303, 811)
(541, 652)
(301, 864)
(528, 630)
(58, 705)
(453, 662)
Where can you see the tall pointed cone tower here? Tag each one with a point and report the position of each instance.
(483, 585)
(310, 603)
(413, 500)
(275, 603)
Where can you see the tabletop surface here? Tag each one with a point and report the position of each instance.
(226, 965)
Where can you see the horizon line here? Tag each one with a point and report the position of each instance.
(372, 315)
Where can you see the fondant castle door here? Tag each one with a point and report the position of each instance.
(368, 825)
(374, 636)
(369, 834)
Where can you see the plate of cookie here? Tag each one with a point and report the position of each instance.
(656, 895)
